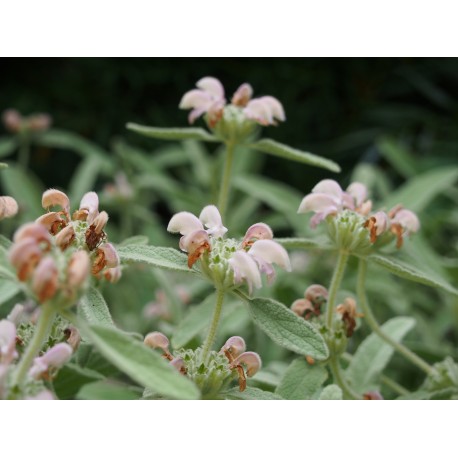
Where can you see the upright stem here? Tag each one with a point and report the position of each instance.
(339, 271)
(214, 324)
(339, 378)
(226, 180)
(372, 322)
(43, 326)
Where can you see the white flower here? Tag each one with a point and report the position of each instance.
(245, 268)
(211, 218)
(265, 110)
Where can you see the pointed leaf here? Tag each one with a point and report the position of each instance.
(373, 355)
(287, 329)
(331, 393)
(410, 272)
(108, 390)
(269, 146)
(174, 133)
(419, 191)
(140, 363)
(94, 308)
(252, 394)
(301, 380)
(162, 257)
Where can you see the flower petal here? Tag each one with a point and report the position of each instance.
(245, 268)
(211, 85)
(329, 187)
(275, 107)
(90, 202)
(211, 218)
(318, 202)
(195, 98)
(184, 223)
(271, 252)
(358, 191)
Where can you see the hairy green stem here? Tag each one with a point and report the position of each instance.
(226, 180)
(373, 324)
(214, 324)
(339, 379)
(337, 276)
(43, 326)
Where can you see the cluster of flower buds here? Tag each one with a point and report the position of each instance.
(246, 363)
(352, 211)
(238, 361)
(83, 230)
(160, 306)
(15, 122)
(239, 116)
(8, 207)
(228, 262)
(349, 314)
(310, 306)
(57, 253)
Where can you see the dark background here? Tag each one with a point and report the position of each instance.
(335, 107)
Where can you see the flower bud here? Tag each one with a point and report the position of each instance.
(258, 231)
(242, 95)
(78, 269)
(53, 197)
(100, 222)
(35, 231)
(251, 360)
(114, 274)
(372, 396)
(24, 256)
(90, 206)
(45, 279)
(54, 358)
(316, 293)
(52, 221)
(178, 364)
(107, 256)
(65, 237)
(301, 306)
(12, 120)
(234, 345)
(8, 207)
(157, 340)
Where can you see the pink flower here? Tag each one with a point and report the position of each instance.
(8, 207)
(54, 358)
(265, 110)
(7, 342)
(328, 198)
(209, 98)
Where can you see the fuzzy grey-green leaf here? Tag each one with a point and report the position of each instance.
(162, 257)
(266, 145)
(373, 355)
(8, 289)
(173, 133)
(287, 329)
(331, 393)
(410, 272)
(94, 308)
(301, 380)
(252, 394)
(141, 363)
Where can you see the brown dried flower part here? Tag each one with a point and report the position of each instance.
(94, 234)
(304, 308)
(158, 340)
(377, 224)
(24, 257)
(349, 315)
(73, 337)
(8, 207)
(197, 246)
(65, 237)
(52, 221)
(106, 256)
(314, 298)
